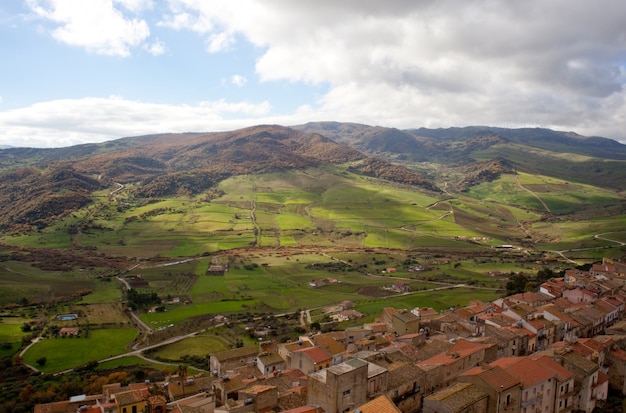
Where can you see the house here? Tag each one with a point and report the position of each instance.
(564, 386)
(531, 298)
(404, 381)
(457, 398)
(216, 270)
(503, 389)
(270, 363)
(200, 403)
(264, 398)
(330, 343)
(339, 388)
(442, 369)
(285, 350)
(224, 361)
(69, 331)
(132, 401)
(228, 387)
(405, 322)
(137, 281)
(537, 382)
(400, 287)
(381, 404)
(310, 359)
(617, 370)
(586, 384)
(346, 315)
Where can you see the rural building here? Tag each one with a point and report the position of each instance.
(222, 362)
(69, 331)
(216, 270)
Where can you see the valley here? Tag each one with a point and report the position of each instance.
(278, 211)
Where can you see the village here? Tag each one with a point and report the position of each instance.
(558, 350)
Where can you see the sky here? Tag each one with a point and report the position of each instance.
(78, 71)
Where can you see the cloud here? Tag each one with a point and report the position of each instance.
(156, 49)
(556, 63)
(68, 122)
(96, 25)
(236, 80)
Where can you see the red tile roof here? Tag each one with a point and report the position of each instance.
(562, 374)
(525, 369)
(496, 377)
(316, 354)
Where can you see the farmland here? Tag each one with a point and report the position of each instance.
(277, 232)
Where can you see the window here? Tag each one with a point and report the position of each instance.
(346, 393)
(508, 399)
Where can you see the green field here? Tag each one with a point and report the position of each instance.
(67, 353)
(200, 346)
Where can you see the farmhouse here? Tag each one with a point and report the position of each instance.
(401, 287)
(69, 331)
(216, 270)
(137, 282)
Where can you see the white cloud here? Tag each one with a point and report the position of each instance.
(236, 80)
(68, 122)
(95, 25)
(441, 63)
(135, 5)
(219, 42)
(156, 49)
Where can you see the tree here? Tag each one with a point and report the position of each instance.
(41, 361)
(182, 373)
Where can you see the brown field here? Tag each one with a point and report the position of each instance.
(105, 313)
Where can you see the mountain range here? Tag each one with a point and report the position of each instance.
(40, 185)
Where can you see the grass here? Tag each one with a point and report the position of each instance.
(202, 346)
(67, 353)
(133, 361)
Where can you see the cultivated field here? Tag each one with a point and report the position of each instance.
(67, 353)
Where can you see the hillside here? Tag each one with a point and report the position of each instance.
(162, 165)
(566, 155)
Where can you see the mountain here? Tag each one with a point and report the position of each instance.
(566, 155)
(37, 186)
(47, 183)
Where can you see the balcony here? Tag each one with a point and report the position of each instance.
(530, 402)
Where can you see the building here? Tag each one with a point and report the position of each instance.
(339, 388)
(405, 322)
(224, 361)
(457, 398)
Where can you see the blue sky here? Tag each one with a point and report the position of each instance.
(76, 71)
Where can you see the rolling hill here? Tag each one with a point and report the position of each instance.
(316, 184)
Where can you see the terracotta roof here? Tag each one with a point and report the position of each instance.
(55, 407)
(381, 404)
(270, 359)
(399, 373)
(458, 397)
(619, 354)
(525, 369)
(305, 409)
(129, 397)
(496, 377)
(316, 354)
(329, 343)
(531, 297)
(406, 317)
(562, 374)
(297, 345)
